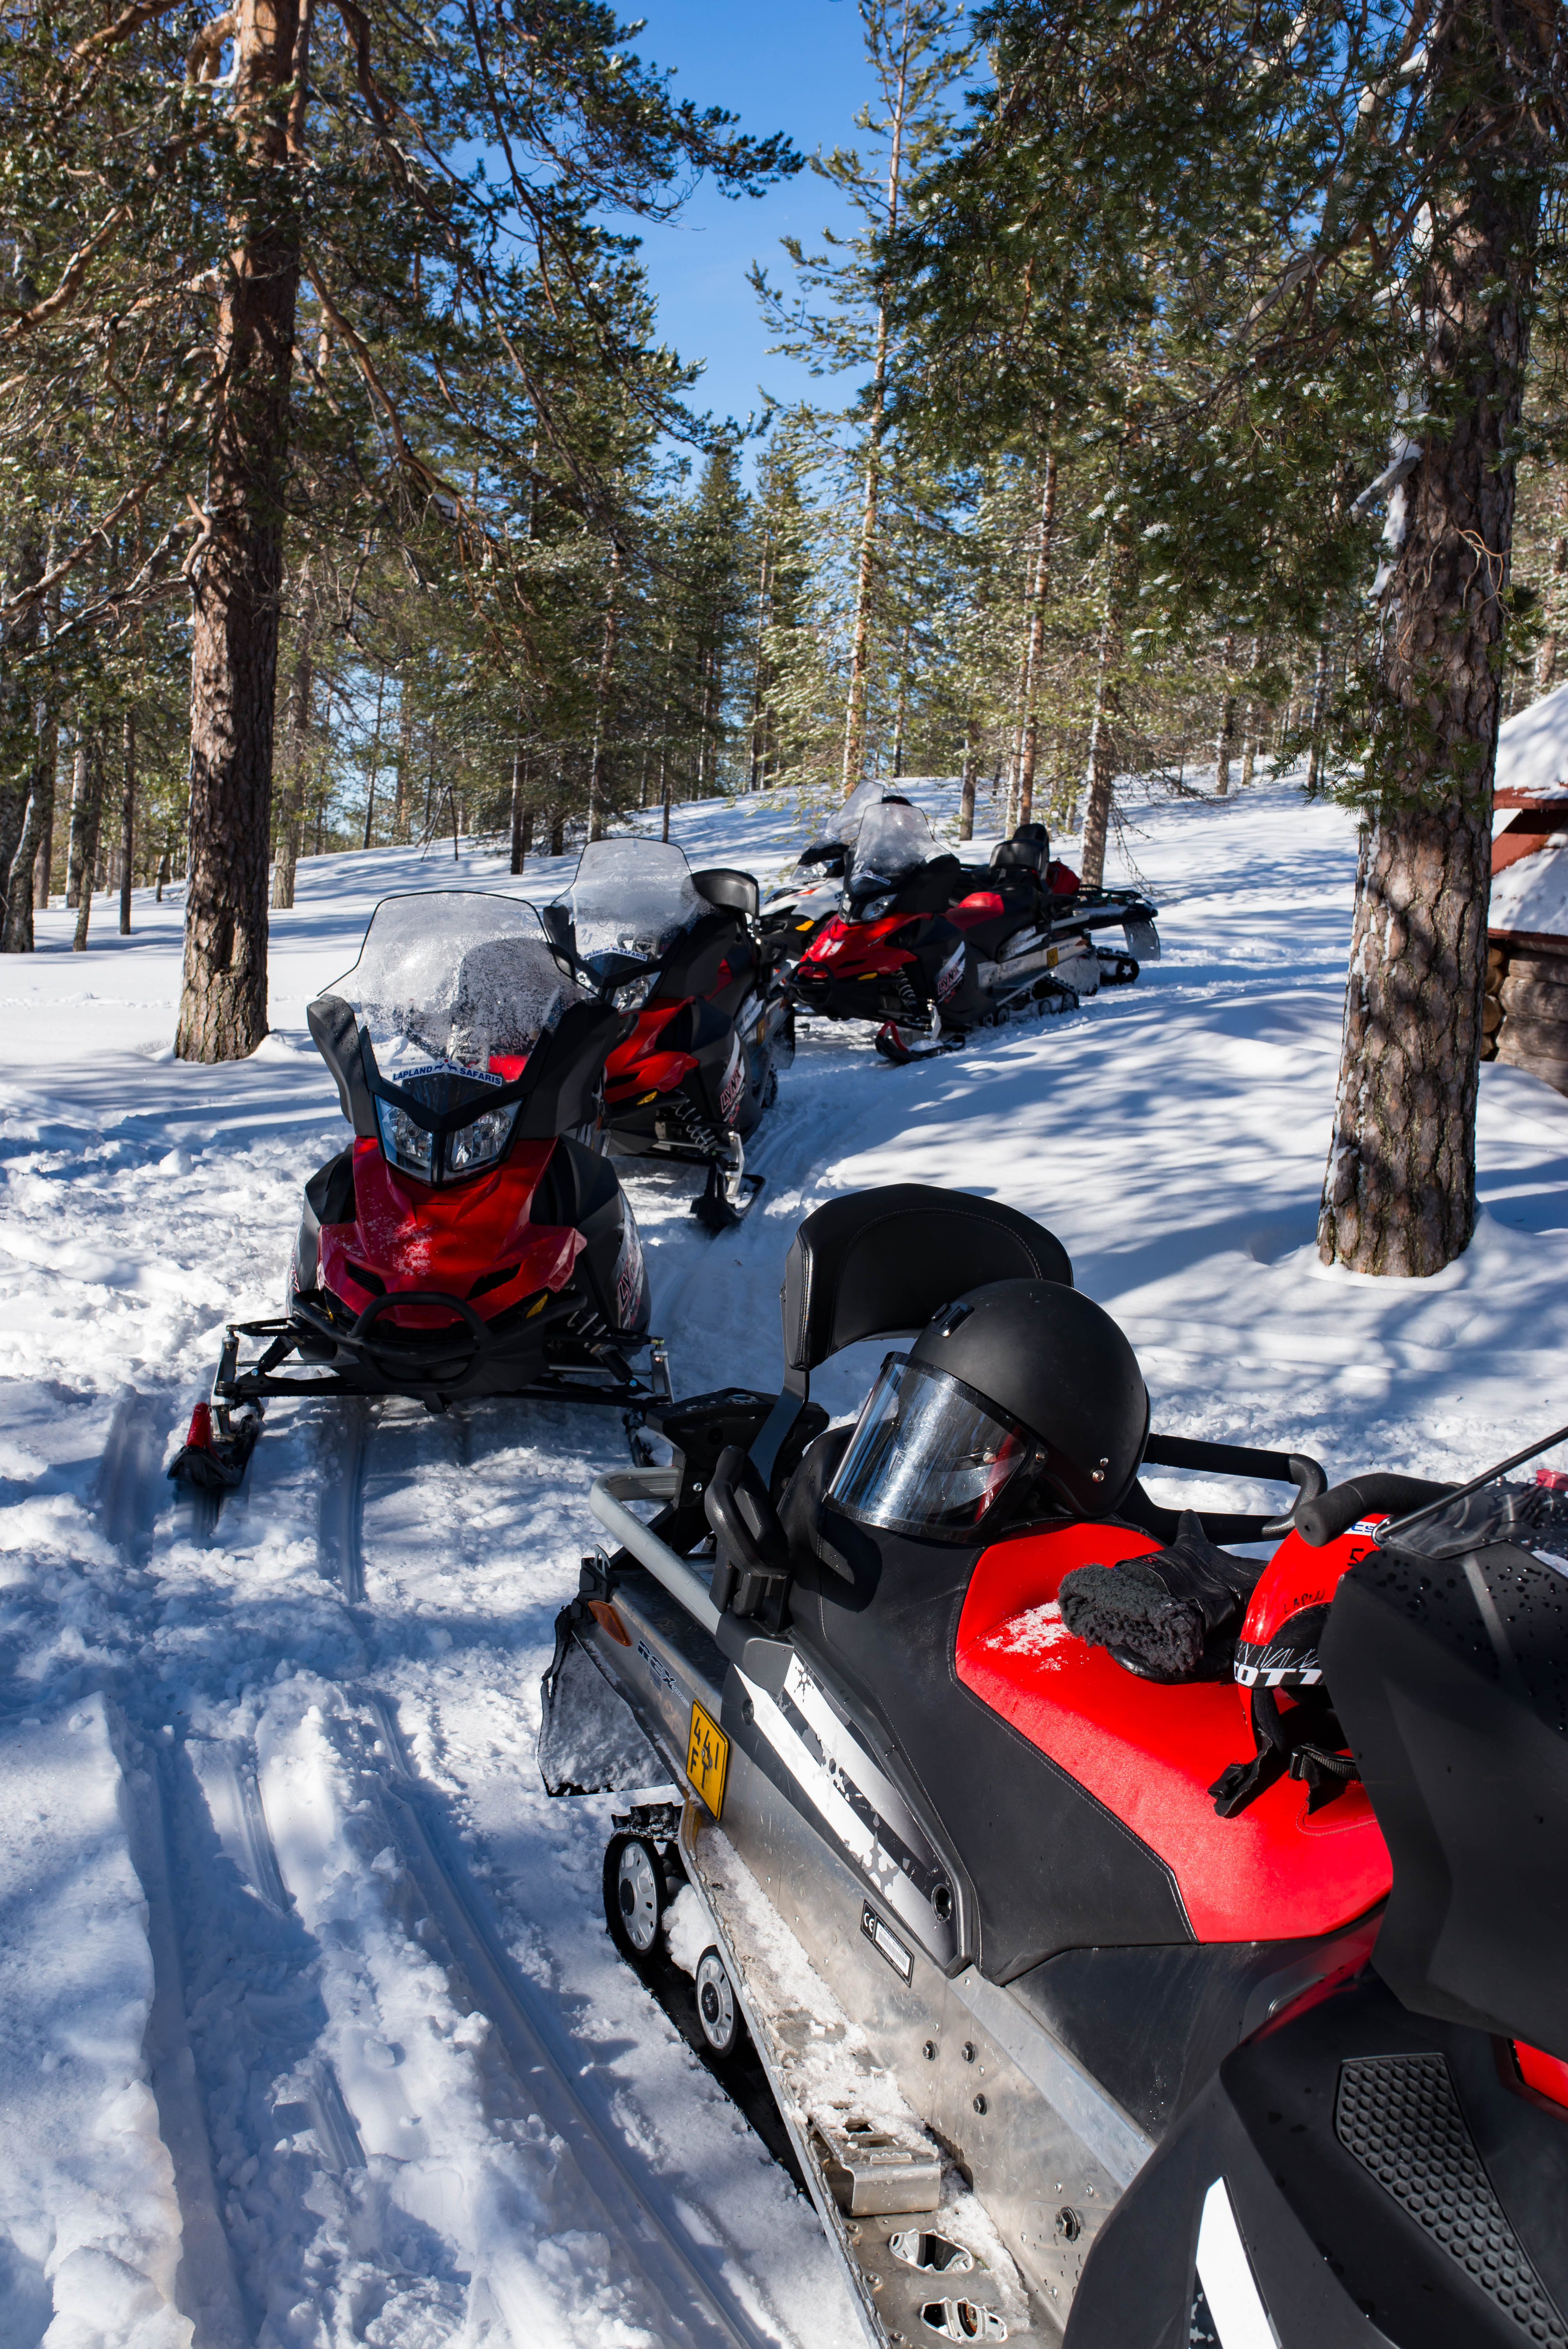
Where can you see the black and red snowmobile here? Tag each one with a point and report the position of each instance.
(690, 1081)
(930, 950)
(1139, 1938)
(470, 1240)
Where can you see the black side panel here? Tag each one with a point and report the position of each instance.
(1389, 2181)
(1450, 1677)
(580, 1189)
(692, 965)
(1050, 1868)
(885, 1260)
(333, 1025)
(566, 1069)
(1153, 2024)
(330, 1190)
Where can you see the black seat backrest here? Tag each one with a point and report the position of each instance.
(735, 892)
(1022, 852)
(886, 1260)
(1450, 1679)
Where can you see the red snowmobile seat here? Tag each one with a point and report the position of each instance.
(1149, 1753)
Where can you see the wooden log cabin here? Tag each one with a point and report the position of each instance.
(1526, 1013)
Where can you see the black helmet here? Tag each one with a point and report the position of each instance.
(1021, 1399)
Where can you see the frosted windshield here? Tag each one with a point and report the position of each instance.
(894, 838)
(632, 898)
(455, 979)
(841, 827)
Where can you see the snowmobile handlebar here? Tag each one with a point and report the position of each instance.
(1308, 1475)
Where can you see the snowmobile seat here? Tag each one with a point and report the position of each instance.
(1020, 856)
(884, 1261)
(1147, 1753)
(728, 890)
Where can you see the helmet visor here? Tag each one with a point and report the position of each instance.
(928, 1455)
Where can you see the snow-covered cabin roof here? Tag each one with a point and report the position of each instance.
(1530, 828)
(1533, 749)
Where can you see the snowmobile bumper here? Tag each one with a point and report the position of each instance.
(933, 2115)
(310, 1352)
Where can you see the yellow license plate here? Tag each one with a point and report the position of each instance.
(708, 1760)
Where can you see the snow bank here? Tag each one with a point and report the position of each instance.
(89, 2224)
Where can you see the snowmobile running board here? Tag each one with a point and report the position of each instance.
(920, 2250)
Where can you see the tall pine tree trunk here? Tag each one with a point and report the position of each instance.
(1225, 737)
(238, 577)
(1099, 770)
(296, 750)
(91, 756)
(126, 820)
(81, 759)
(1398, 1195)
(1036, 644)
(966, 793)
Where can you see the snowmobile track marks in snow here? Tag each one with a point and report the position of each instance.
(551, 2070)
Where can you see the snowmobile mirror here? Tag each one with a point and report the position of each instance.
(752, 1571)
(334, 1027)
(731, 891)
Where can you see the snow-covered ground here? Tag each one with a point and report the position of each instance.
(310, 2032)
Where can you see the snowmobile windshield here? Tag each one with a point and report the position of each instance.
(1532, 1516)
(456, 982)
(893, 841)
(632, 898)
(928, 1454)
(840, 829)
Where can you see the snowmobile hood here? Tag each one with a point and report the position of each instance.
(409, 1235)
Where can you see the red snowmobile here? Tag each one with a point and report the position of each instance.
(692, 1079)
(470, 1240)
(931, 950)
(1137, 1936)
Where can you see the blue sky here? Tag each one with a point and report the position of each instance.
(795, 65)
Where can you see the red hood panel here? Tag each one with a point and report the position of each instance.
(1150, 1754)
(417, 1237)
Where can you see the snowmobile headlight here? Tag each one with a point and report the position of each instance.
(480, 1144)
(878, 906)
(635, 992)
(409, 1144)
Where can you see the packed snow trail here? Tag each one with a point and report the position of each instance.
(312, 2033)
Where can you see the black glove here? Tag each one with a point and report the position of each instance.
(1172, 1616)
